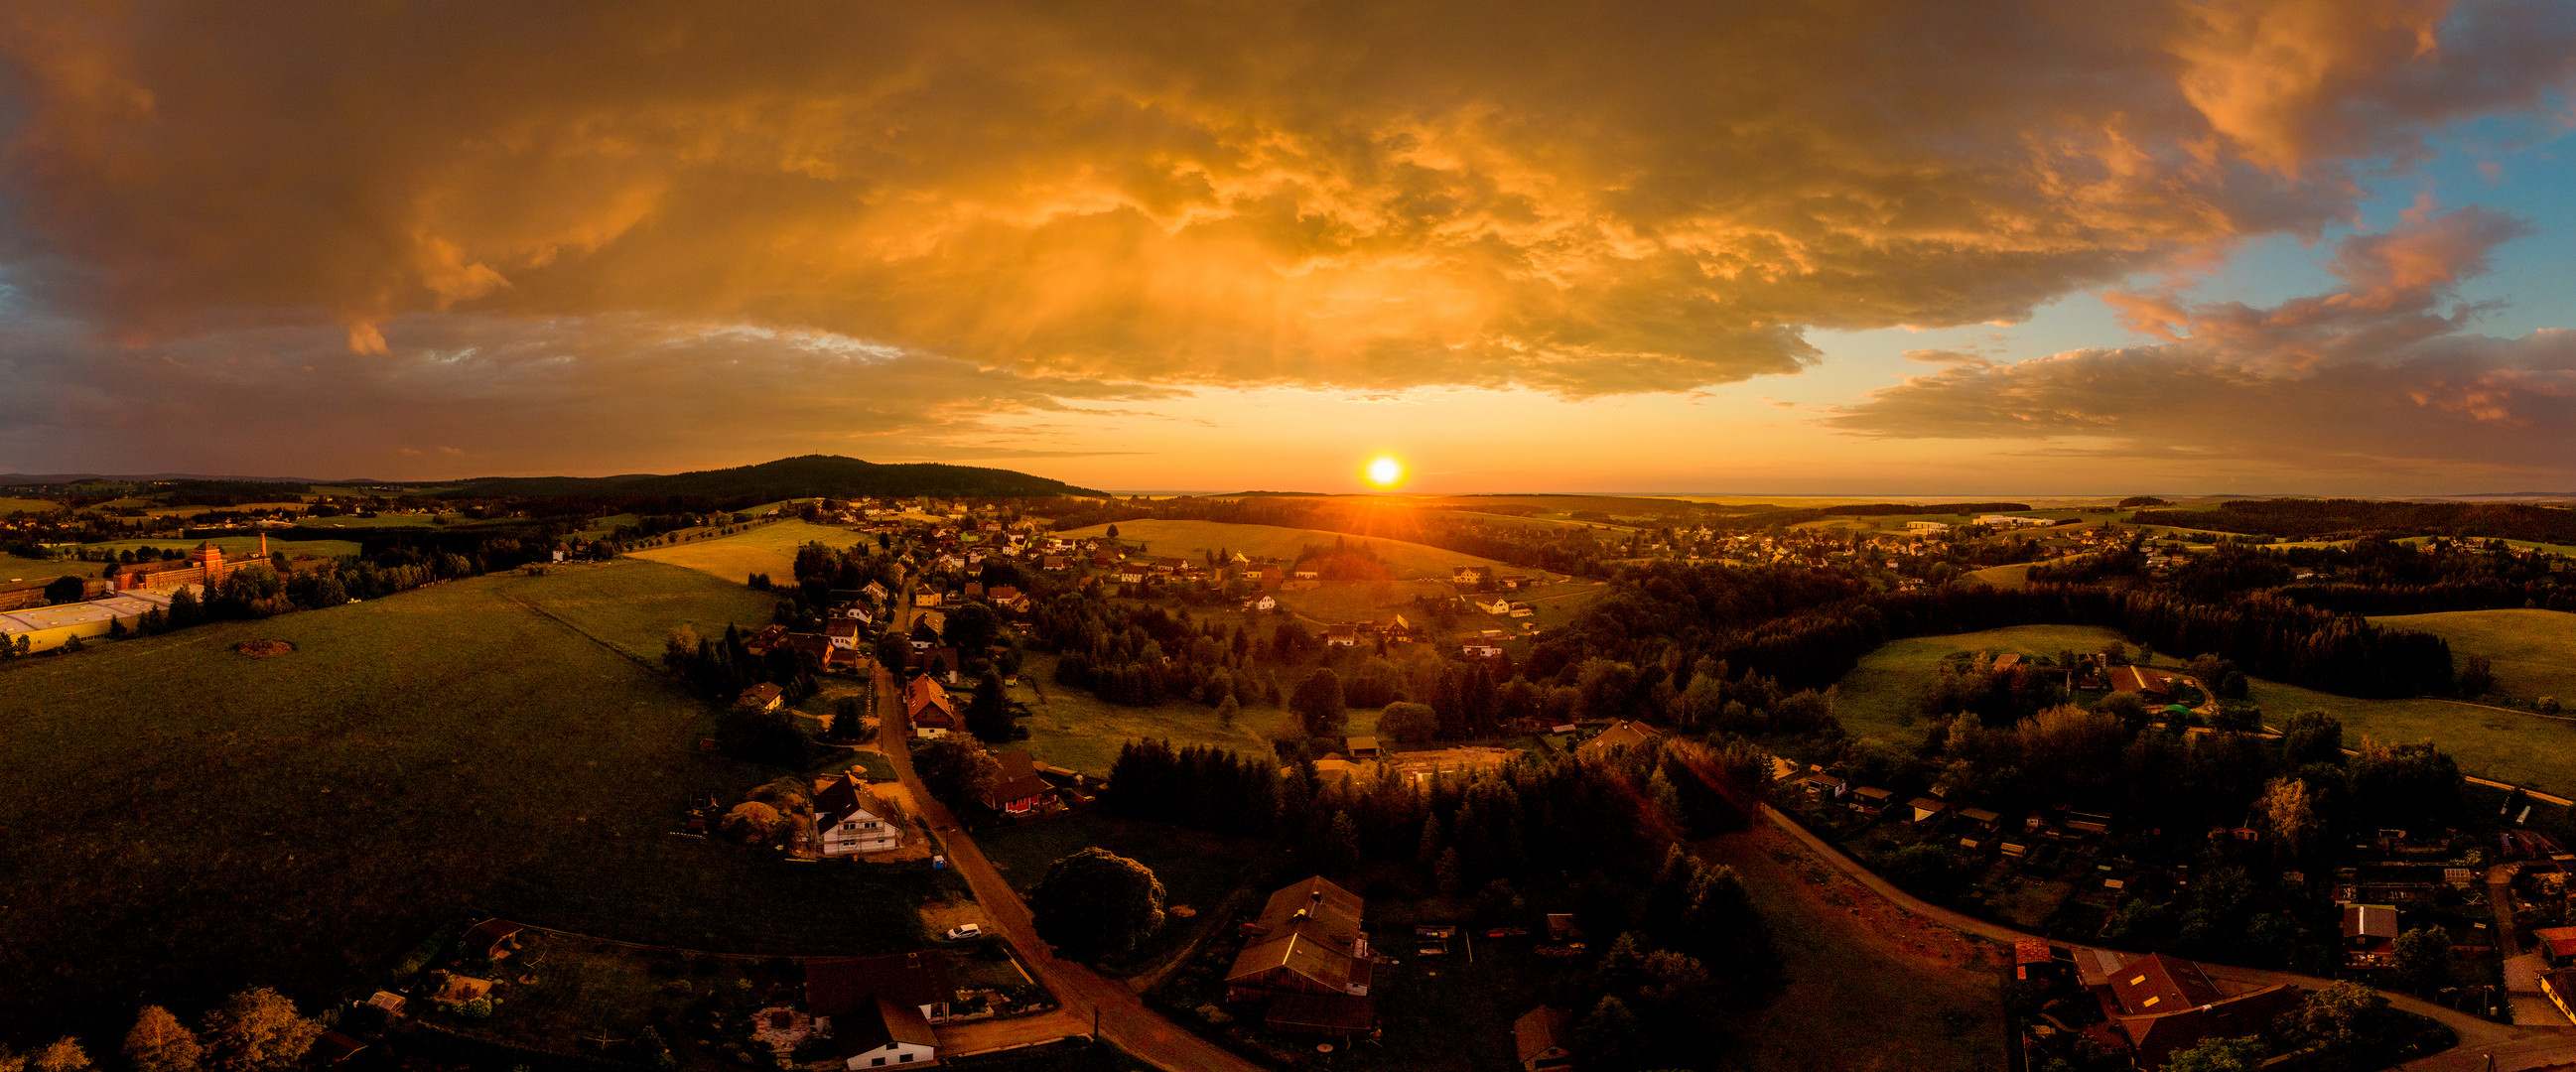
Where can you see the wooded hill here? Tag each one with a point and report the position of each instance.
(2308, 518)
(787, 478)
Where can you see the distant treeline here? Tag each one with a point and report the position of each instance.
(2304, 518)
(1675, 614)
(1798, 516)
(1561, 549)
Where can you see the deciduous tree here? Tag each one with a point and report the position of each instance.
(257, 1030)
(160, 1043)
(1096, 903)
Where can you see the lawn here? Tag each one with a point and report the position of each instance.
(1196, 868)
(1196, 538)
(1881, 697)
(185, 820)
(769, 549)
(1072, 728)
(2533, 652)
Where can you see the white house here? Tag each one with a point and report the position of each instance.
(852, 820)
(887, 1036)
(844, 633)
(1265, 604)
(1498, 607)
(1927, 528)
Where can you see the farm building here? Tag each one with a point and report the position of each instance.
(47, 628)
(1309, 960)
(1621, 736)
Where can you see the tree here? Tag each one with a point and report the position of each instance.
(2352, 1027)
(1341, 847)
(2219, 1055)
(1318, 703)
(65, 589)
(1608, 1038)
(256, 1030)
(1112, 533)
(988, 713)
(62, 1055)
(2293, 819)
(955, 769)
(160, 1043)
(2423, 955)
(1407, 722)
(1096, 903)
(1227, 710)
(2129, 707)
(2312, 737)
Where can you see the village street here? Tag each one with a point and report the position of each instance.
(2515, 1047)
(1086, 996)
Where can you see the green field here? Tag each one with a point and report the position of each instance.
(1193, 538)
(1072, 728)
(184, 820)
(235, 548)
(2518, 749)
(14, 568)
(1882, 696)
(2533, 652)
(10, 506)
(769, 549)
(2012, 576)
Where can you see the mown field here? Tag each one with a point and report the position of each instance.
(2532, 652)
(633, 605)
(184, 820)
(1882, 696)
(2016, 575)
(1193, 538)
(14, 568)
(769, 549)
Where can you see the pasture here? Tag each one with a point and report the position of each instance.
(2533, 652)
(2012, 576)
(1196, 538)
(185, 820)
(1072, 728)
(769, 549)
(14, 568)
(10, 505)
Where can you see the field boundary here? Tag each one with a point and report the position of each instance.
(583, 633)
(2492, 707)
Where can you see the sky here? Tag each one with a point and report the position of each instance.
(1840, 247)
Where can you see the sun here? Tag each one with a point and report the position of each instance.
(1384, 471)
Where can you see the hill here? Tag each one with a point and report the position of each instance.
(787, 478)
(2298, 518)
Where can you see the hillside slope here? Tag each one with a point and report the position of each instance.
(786, 478)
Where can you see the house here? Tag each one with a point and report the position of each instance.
(874, 591)
(1497, 607)
(926, 598)
(1481, 648)
(1927, 809)
(1561, 928)
(928, 631)
(763, 696)
(1544, 1038)
(2163, 1005)
(1019, 792)
(2557, 944)
(881, 1035)
(1622, 736)
(928, 707)
(1263, 605)
(918, 982)
(1470, 575)
(1980, 817)
(491, 939)
(1360, 747)
(1308, 959)
(2006, 661)
(852, 820)
(1821, 784)
(843, 633)
(1927, 528)
(1872, 799)
(2143, 682)
(1343, 635)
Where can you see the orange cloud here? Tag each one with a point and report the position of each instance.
(1580, 199)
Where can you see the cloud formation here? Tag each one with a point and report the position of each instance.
(2378, 373)
(1582, 199)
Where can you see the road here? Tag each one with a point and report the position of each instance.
(2515, 1047)
(1086, 996)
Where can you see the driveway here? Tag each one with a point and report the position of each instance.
(2515, 1047)
(1086, 997)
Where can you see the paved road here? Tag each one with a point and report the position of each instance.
(1086, 996)
(2516, 1048)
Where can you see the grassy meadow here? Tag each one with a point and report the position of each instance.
(14, 568)
(1071, 728)
(1880, 698)
(185, 820)
(9, 505)
(2533, 652)
(1191, 538)
(2016, 575)
(769, 549)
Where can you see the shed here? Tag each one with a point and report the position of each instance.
(1927, 809)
